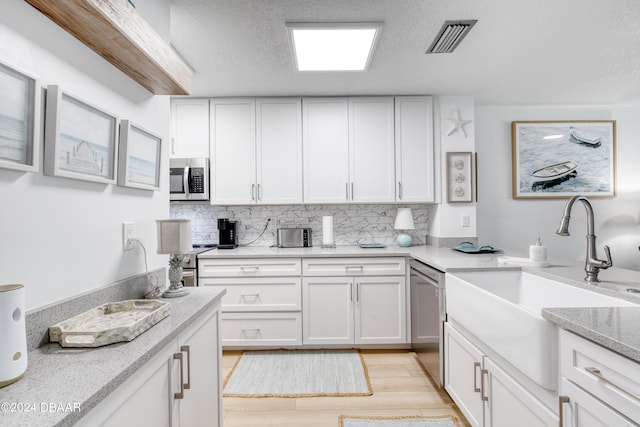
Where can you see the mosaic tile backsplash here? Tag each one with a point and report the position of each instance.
(367, 223)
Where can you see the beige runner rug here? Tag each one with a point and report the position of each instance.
(298, 373)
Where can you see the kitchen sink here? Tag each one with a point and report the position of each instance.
(504, 310)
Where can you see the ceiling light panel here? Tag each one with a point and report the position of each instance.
(333, 46)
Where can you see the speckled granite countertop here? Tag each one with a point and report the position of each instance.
(616, 328)
(74, 380)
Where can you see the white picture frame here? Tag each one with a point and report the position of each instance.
(139, 157)
(459, 177)
(80, 140)
(20, 112)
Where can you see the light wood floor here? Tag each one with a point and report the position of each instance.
(400, 387)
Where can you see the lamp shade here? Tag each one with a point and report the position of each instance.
(174, 236)
(404, 219)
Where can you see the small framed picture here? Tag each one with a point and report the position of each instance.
(80, 140)
(559, 159)
(459, 177)
(20, 105)
(139, 157)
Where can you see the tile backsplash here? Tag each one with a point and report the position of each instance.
(368, 223)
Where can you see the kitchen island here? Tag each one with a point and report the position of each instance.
(63, 385)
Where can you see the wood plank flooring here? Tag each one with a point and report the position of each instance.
(400, 387)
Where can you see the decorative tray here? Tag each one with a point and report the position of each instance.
(470, 248)
(109, 323)
(371, 245)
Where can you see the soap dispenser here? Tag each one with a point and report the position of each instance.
(537, 252)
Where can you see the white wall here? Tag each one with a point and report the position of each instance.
(513, 224)
(61, 237)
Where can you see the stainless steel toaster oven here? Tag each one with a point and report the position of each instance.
(294, 238)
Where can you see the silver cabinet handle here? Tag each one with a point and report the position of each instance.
(399, 190)
(173, 146)
(561, 401)
(180, 395)
(256, 295)
(259, 196)
(351, 292)
(346, 190)
(253, 191)
(254, 330)
(476, 365)
(360, 267)
(251, 268)
(596, 372)
(357, 291)
(483, 372)
(352, 191)
(187, 350)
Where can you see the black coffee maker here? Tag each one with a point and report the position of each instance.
(227, 236)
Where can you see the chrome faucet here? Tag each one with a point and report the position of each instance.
(592, 264)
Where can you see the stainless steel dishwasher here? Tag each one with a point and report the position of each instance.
(427, 318)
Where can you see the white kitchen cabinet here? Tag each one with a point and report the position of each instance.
(256, 150)
(348, 150)
(371, 150)
(414, 154)
(325, 139)
(484, 392)
(149, 396)
(278, 150)
(189, 128)
(602, 387)
(262, 306)
(233, 151)
(363, 309)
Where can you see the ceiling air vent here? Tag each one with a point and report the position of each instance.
(450, 35)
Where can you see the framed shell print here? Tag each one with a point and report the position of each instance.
(459, 177)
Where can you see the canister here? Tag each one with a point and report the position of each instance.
(13, 334)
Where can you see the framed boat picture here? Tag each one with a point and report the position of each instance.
(80, 140)
(561, 159)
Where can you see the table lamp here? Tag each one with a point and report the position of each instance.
(404, 221)
(174, 238)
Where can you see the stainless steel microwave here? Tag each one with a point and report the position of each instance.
(189, 179)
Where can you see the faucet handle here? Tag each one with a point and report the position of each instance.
(608, 263)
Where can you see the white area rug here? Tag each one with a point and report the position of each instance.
(417, 421)
(298, 373)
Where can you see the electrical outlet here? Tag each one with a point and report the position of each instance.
(464, 220)
(128, 233)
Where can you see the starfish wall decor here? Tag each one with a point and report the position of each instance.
(458, 123)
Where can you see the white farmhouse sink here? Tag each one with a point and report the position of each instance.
(504, 310)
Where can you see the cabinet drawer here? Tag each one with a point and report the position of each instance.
(583, 409)
(383, 266)
(258, 293)
(607, 375)
(261, 329)
(248, 267)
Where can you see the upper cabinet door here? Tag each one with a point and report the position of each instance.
(279, 150)
(414, 149)
(189, 128)
(233, 151)
(325, 137)
(371, 150)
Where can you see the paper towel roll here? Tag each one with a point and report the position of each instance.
(327, 230)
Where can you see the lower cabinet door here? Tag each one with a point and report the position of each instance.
(509, 404)
(584, 410)
(144, 399)
(327, 310)
(380, 315)
(200, 345)
(463, 365)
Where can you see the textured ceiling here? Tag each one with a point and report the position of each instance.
(520, 51)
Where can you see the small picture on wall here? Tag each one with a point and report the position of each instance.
(459, 177)
(562, 159)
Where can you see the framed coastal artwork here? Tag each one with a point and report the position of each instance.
(139, 157)
(20, 96)
(558, 159)
(80, 140)
(459, 177)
